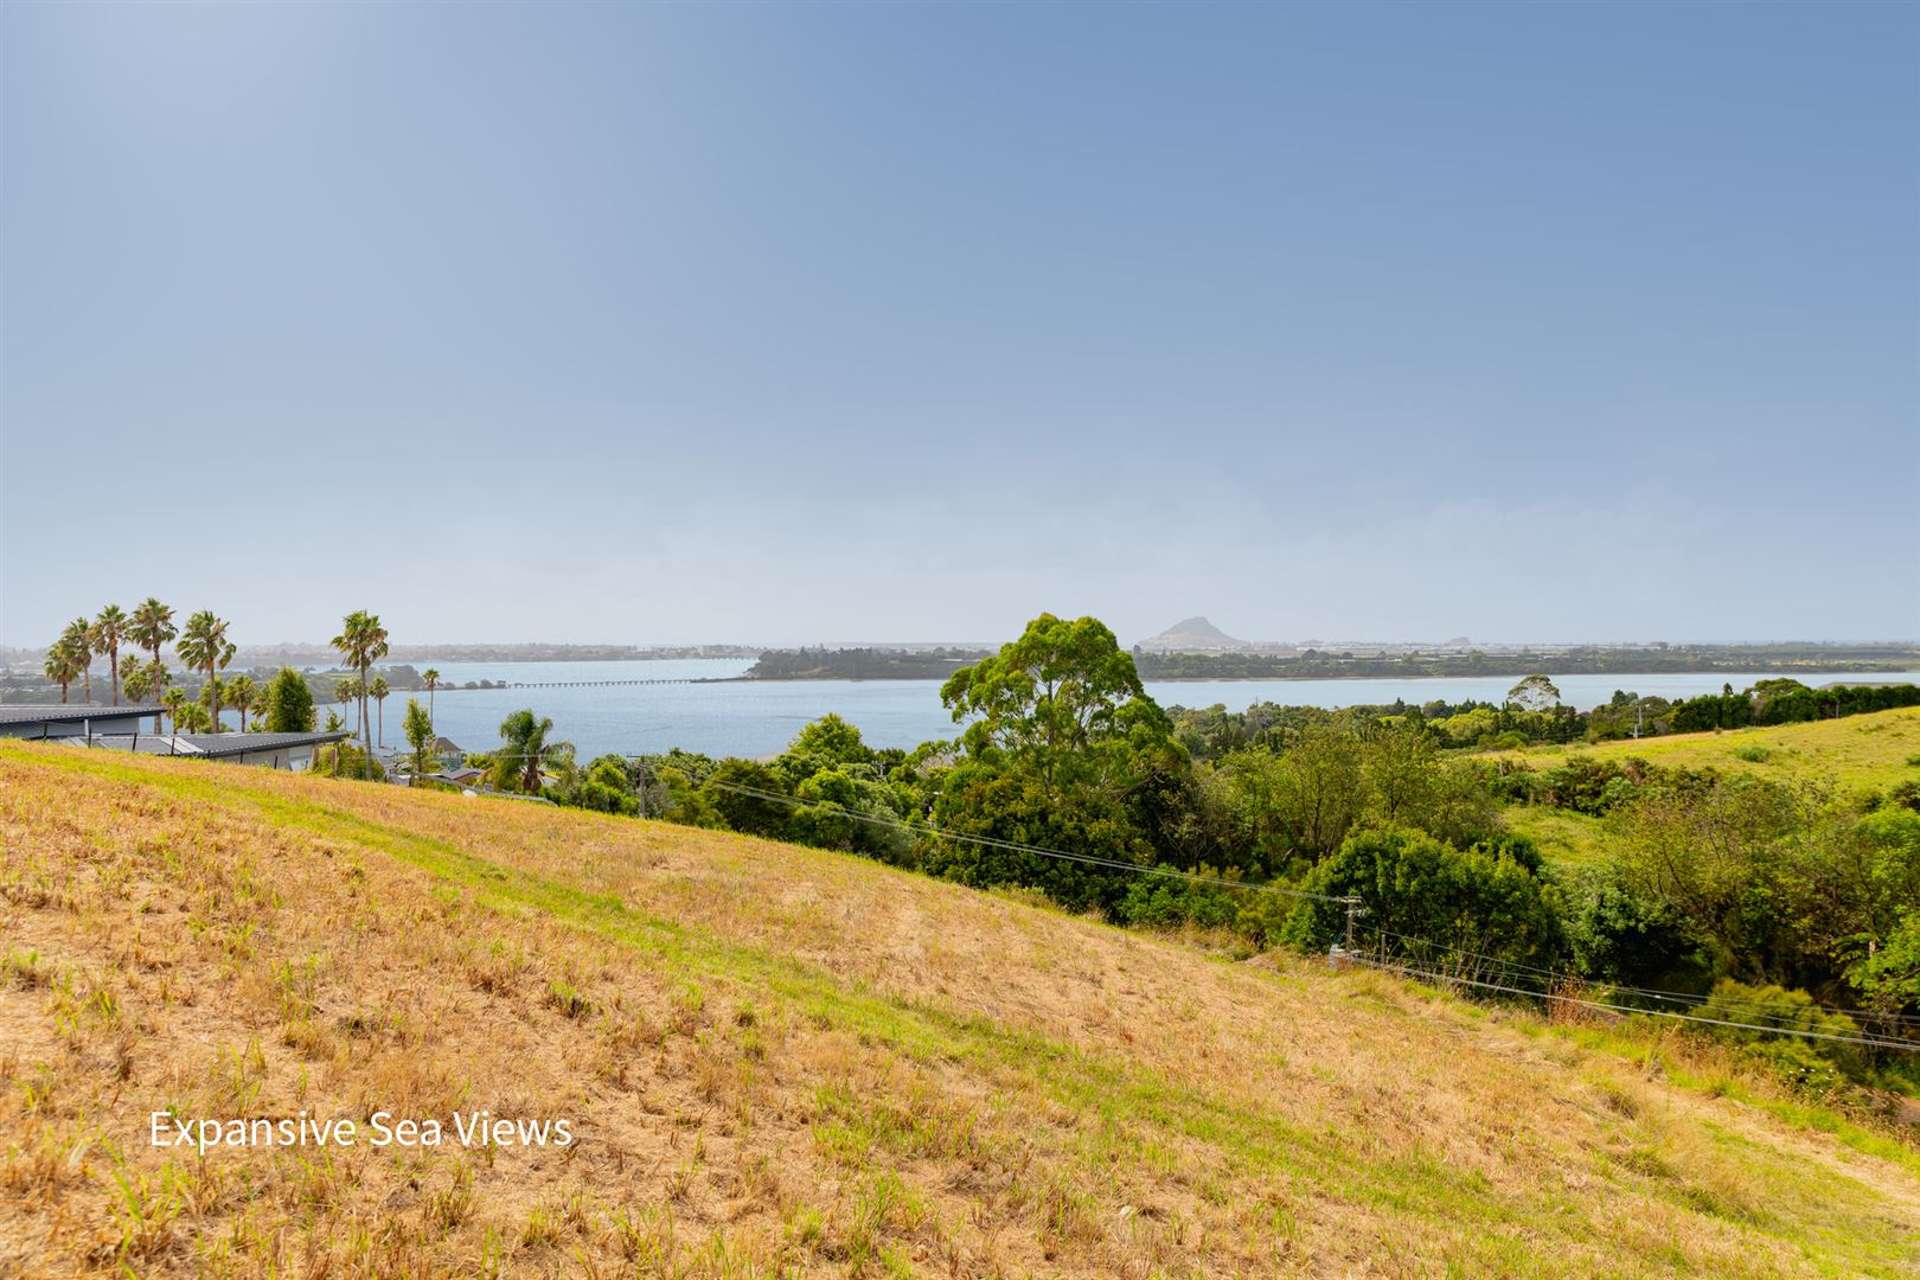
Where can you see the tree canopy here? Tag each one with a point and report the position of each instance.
(286, 704)
(1048, 703)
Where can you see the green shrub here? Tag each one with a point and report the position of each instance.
(753, 814)
(1513, 782)
(601, 797)
(1583, 785)
(344, 760)
(1156, 902)
(608, 787)
(568, 999)
(286, 704)
(1619, 936)
(1813, 1064)
(1754, 754)
(1486, 900)
(1905, 794)
(1888, 976)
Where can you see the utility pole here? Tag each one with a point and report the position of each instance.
(1354, 912)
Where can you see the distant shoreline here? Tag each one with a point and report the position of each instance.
(1758, 669)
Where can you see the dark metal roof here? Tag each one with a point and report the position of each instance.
(211, 746)
(30, 712)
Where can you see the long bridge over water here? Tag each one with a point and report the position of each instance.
(566, 684)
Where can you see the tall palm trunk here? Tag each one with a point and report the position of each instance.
(159, 687)
(366, 728)
(63, 691)
(213, 697)
(113, 665)
(86, 676)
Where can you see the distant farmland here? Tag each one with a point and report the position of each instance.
(1858, 752)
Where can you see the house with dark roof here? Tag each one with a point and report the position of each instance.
(68, 720)
(273, 750)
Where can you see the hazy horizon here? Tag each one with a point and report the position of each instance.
(711, 324)
(1125, 639)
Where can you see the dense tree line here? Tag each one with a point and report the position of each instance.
(882, 663)
(1585, 660)
(860, 664)
(1740, 891)
(1211, 732)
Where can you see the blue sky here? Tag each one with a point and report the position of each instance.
(810, 322)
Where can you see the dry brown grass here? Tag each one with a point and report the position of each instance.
(782, 1061)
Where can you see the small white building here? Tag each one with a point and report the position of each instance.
(68, 720)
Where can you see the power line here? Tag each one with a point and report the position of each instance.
(1348, 901)
(1692, 998)
(994, 842)
(1872, 1042)
(1739, 1005)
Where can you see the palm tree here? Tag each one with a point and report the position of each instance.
(77, 639)
(193, 717)
(345, 691)
(243, 696)
(108, 633)
(138, 683)
(143, 682)
(63, 665)
(204, 647)
(152, 628)
(213, 692)
(378, 692)
(523, 749)
(432, 677)
(175, 701)
(362, 641)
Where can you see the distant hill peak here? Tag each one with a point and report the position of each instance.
(1196, 627)
(1193, 635)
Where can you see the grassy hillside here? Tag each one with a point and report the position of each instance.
(1856, 753)
(1565, 839)
(786, 1061)
(1868, 751)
